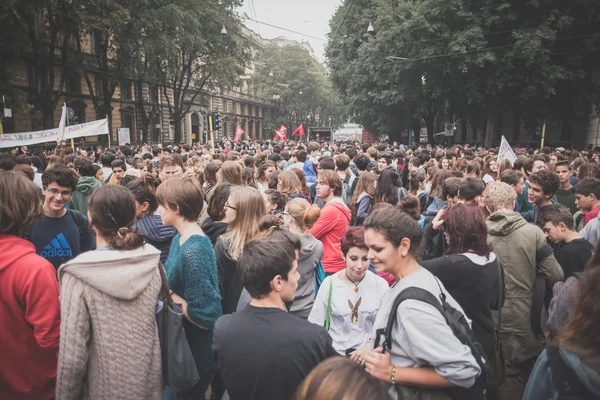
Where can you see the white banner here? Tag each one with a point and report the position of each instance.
(99, 127)
(506, 152)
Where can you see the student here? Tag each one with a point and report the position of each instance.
(517, 182)
(569, 367)
(542, 186)
(333, 221)
(470, 191)
(30, 316)
(522, 250)
(470, 272)
(433, 239)
(564, 194)
(191, 270)
(170, 166)
(86, 184)
(574, 251)
(147, 221)
(61, 234)
(362, 200)
(243, 210)
(530, 165)
(216, 223)
(587, 198)
(108, 303)
(384, 160)
(325, 163)
(118, 171)
(262, 351)
(340, 378)
(350, 299)
(424, 352)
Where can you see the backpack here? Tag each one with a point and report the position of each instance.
(461, 330)
(347, 186)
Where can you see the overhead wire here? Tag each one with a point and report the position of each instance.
(288, 30)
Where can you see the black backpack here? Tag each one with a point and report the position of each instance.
(461, 329)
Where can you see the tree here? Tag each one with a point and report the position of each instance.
(303, 84)
(188, 54)
(37, 29)
(466, 61)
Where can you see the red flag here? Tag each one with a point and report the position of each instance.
(299, 131)
(280, 134)
(238, 133)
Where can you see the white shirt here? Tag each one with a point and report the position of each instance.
(352, 313)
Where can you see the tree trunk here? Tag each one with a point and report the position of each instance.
(416, 132)
(516, 131)
(177, 129)
(491, 126)
(430, 124)
(464, 129)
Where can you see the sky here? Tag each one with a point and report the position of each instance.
(309, 17)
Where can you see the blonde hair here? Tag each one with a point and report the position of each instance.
(304, 214)
(250, 208)
(289, 182)
(499, 195)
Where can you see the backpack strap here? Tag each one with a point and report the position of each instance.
(78, 219)
(412, 293)
(564, 379)
(539, 291)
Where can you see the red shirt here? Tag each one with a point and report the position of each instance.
(591, 215)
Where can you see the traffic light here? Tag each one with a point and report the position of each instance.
(206, 123)
(216, 120)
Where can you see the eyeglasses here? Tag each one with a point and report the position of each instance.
(227, 205)
(56, 192)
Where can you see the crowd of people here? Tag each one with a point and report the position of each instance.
(302, 271)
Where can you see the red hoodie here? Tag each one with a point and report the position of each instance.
(29, 322)
(329, 229)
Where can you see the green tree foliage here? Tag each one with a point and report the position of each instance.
(468, 60)
(303, 84)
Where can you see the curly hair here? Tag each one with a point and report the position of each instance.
(548, 181)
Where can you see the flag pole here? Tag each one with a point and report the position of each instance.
(109, 135)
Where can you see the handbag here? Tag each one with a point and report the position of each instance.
(178, 364)
(407, 392)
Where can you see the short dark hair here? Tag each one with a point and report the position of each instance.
(547, 180)
(117, 164)
(450, 187)
(184, 193)
(467, 230)
(7, 163)
(556, 213)
(263, 259)
(563, 163)
(327, 163)
(470, 188)
(386, 156)
(107, 158)
(415, 161)
(354, 237)
(62, 175)
(23, 159)
(84, 166)
(511, 177)
(588, 186)
(529, 164)
(395, 224)
(156, 151)
(301, 155)
(362, 162)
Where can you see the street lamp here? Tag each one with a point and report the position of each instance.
(223, 30)
(271, 73)
(370, 29)
(300, 92)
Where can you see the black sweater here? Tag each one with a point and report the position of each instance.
(473, 282)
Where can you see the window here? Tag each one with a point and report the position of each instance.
(99, 90)
(96, 42)
(74, 83)
(154, 94)
(195, 127)
(126, 90)
(155, 129)
(249, 109)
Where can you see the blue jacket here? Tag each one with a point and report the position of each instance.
(541, 387)
(309, 171)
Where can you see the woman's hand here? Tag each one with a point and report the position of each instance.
(360, 355)
(179, 300)
(439, 219)
(379, 364)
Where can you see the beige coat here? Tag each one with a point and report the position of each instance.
(109, 347)
(515, 242)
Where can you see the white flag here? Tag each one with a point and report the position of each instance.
(62, 124)
(506, 152)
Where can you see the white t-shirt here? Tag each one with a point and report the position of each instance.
(352, 313)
